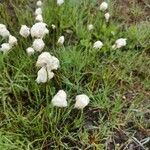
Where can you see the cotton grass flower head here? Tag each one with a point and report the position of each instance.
(107, 16)
(103, 6)
(98, 45)
(82, 101)
(5, 47)
(50, 62)
(90, 27)
(61, 40)
(53, 26)
(3, 31)
(38, 11)
(60, 99)
(38, 45)
(2, 26)
(12, 40)
(55, 64)
(30, 51)
(39, 30)
(120, 43)
(44, 75)
(39, 3)
(60, 2)
(39, 18)
(24, 31)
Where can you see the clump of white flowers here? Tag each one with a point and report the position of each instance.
(107, 16)
(90, 27)
(82, 101)
(30, 51)
(49, 63)
(24, 31)
(39, 30)
(60, 2)
(3, 31)
(38, 45)
(11, 40)
(98, 45)
(60, 99)
(61, 40)
(120, 43)
(103, 6)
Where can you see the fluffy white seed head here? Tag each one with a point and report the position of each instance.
(81, 101)
(12, 40)
(5, 47)
(90, 27)
(107, 16)
(39, 30)
(38, 45)
(39, 18)
(61, 40)
(98, 45)
(2, 26)
(39, 3)
(55, 64)
(50, 74)
(60, 99)
(60, 2)
(53, 26)
(30, 51)
(3, 31)
(103, 6)
(120, 43)
(42, 76)
(45, 59)
(24, 31)
(38, 11)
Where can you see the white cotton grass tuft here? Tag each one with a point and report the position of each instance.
(44, 75)
(61, 40)
(120, 43)
(24, 31)
(39, 3)
(2, 26)
(38, 45)
(90, 27)
(60, 2)
(5, 47)
(53, 26)
(107, 16)
(3, 31)
(103, 6)
(30, 51)
(82, 101)
(60, 99)
(38, 11)
(98, 45)
(12, 40)
(39, 30)
(39, 18)
(45, 59)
